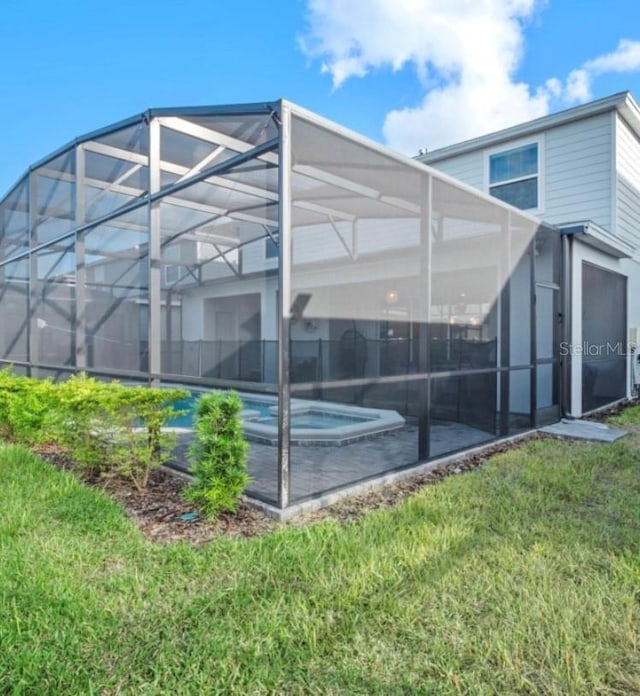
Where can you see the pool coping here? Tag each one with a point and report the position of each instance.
(374, 421)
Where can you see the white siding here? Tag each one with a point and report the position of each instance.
(577, 166)
(577, 172)
(632, 268)
(468, 168)
(627, 183)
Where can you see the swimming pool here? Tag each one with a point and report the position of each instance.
(251, 408)
(312, 422)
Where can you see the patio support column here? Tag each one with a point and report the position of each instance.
(155, 331)
(505, 330)
(424, 318)
(169, 328)
(534, 333)
(284, 309)
(32, 346)
(567, 319)
(81, 273)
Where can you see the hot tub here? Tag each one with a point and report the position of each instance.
(312, 422)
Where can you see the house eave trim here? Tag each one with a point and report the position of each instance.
(598, 238)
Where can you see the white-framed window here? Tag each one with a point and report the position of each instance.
(171, 275)
(514, 175)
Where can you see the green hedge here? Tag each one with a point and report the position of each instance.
(25, 407)
(104, 426)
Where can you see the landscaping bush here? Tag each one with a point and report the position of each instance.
(85, 422)
(111, 427)
(218, 454)
(140, 443)
(104, 426)
(26, 406)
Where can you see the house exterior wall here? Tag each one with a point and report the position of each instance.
(468, 168)
(578, 161)
(627, 181)
(627, 223)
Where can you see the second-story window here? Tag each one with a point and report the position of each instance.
(513, 176)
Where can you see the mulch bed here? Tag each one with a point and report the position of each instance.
(615, 410)
(163, 516)
(353, 507)
(158, 510)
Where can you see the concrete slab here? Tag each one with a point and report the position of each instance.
(584, 430)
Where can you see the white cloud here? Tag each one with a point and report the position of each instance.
(446, 35)
(469, 49)
(462, 111)
(578, 86)
(626, 58)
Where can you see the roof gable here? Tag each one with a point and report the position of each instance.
(623, 102)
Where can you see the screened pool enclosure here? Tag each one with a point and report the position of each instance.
(372, 312)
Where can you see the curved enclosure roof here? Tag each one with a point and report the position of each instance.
(113, 162)
(232, 151)
(108, 170)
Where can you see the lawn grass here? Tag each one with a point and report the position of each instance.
(522, 577)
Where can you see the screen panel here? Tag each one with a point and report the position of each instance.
(604, 335)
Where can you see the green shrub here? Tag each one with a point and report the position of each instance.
(140, 443)
(30, 411)
(85, 422)
(110, 427)
(9, 385)
(106, 427)
(26, 406)
(218, 454)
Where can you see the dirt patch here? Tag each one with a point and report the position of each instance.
(163, 516)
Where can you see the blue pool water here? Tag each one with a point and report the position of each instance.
(311, 419)
(316, 420)
(188, 405)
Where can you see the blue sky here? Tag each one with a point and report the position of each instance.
(410, 73)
